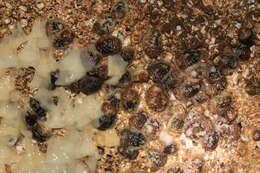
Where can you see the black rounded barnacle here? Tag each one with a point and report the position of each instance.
(30, 119)
(106, 121)
(53, 78)
(87, 85)
(108, 45)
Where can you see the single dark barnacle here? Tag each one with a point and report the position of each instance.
(170, 149)
(158, 71)
(119, 9)
(191, 89)
(190, 57)
(54, 27)
(253, 86)
(244, 52)
(127, 54)
(36, 107)
(87, 85)
(130, 99)
(224, 102)
(39, 133)
(227, 63)
(108, 45)
(177, 123)
(152, 44)
(111, 106)
(128, 152)
(30, 119)
(232, 62)
(53, 78)
(245, 36)
(219, 86)
(132, 138)
(256, 135)
(156, 98)
(137, 121)
(64, 39)
(106, 122)
(199, 98)
(214, 75)
(104, 26)
(210, 141)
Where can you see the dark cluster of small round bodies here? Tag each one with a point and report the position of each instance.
(189, 78)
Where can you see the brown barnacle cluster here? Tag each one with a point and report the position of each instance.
(201, 129)
(60, 33)
(110, 108)
(33, 120)
(97, 55)
(108, 21)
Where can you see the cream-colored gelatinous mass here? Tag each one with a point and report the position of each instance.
(74, 151)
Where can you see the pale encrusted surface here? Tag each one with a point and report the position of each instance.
(207, 24)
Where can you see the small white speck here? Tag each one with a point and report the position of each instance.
(24, 8)
(40, 5)
(89, 22)
(238, 25)
(8, 5)
(178, 27)
(126, 41)
(23, 22)
(143, 1)
(7, 21)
